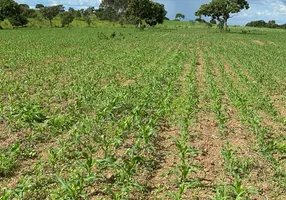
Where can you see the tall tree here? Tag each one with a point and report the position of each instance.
(112, 10)
(87, 15)
(71, 10)
(157, 14)
(27, 11)
(25, 6)
(18, 20)
(147, 10)
(272, 24)
(222, 9)
(8, 8)
(67, 18)
(107, 14)
(2, 10)
(78, 14)
(119, 6)
(49, 13)
(13, 12)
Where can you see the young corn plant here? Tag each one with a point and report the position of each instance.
(184, 167)
(8, 160)
(229, 159)
(125, 172)
(235, 169)
(74, 187)
(20, 191)
(6, 194)
(221, 193)
(238, 191)
(183, 187)
(217, 104)
(88, 164)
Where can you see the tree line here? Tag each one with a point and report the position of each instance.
(127, 12)
(263, 24)
(124, 11)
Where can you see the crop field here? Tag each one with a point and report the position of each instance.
(164, 113)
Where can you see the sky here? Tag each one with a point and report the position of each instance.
(259, 9)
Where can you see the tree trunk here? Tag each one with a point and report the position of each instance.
(139, 25)
(51, 24)
(225, 24)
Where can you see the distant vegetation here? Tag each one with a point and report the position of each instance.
(126, 12)
(136, 12)
(263, 24)
(179, 16)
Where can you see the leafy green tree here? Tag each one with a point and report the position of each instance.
(3, 8)
(272, 24)
(107, 14)
(213, 21)
(119, 6)
(112, 10)
(71, 10)
(222, 9)
(49, 13)
(67, 18)
(8, 8)
(39, 6)
(13, 12)
(147, 10)
(18, 20)
(27, 12)
(78, 14)
(157, 13)
(258, 23)
(138, 9)
(200, 20)
(25, 6)
(263, 24)
(87, 19)
(87, 15)
(282, 26)
(179, 16)
(90, 10)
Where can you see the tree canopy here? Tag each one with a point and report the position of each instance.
(67, 18)
(151, 12)
(263, 24)
(8, 8)
(87, 15)
(39, 6)
(14, 12)
(52, 11)
(107, 13)
(180, 16)
(222, 9)
(118, 6)
(124, 11)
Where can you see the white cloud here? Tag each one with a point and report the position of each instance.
(263, 10)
